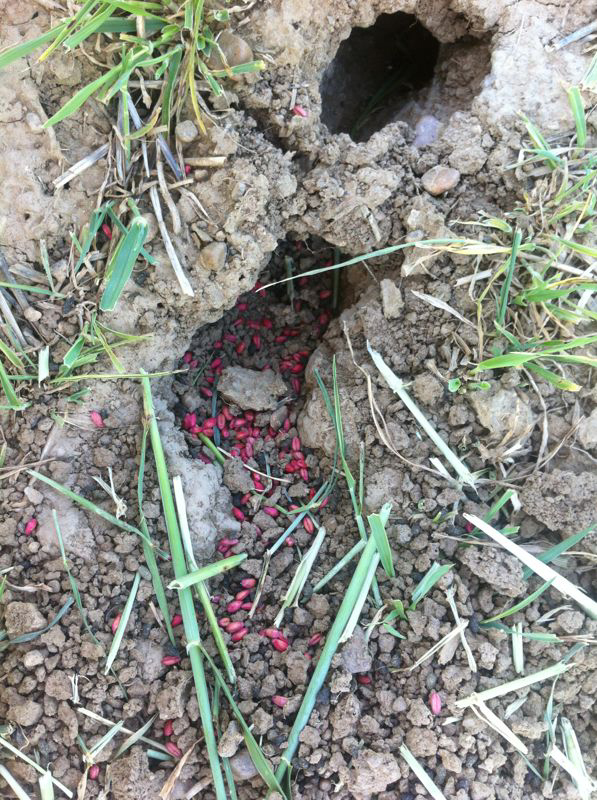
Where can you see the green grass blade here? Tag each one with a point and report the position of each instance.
(204, 573)
(148, 550)
(10, 54)
(81, 96)
(377, 523)
(24, 287)
(12, 749)
(126, 613)
(82, 501)
(505, 290)
(554, 378)
(523, 603)
(14, 359)
(29, 637)
(354, 551)
(421, 774)
(191, 628)
(73, 584)
(134, 738)
(553, 552)
(325, 659)
(435, 573)
(121, 264)
(257, 757)
(46, 787)
(578, 112)
(13, 401)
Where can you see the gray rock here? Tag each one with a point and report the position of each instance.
(26, 713)
(345, 716)
(391, 299)
(503, 412)
(355, 653)
(213, 256)
(251, 389)
(234, 48)
(186, 131)
(372, 772)
(587, 431)
(20, 618)
(242, 766)
(230, 740)
(440, 179)
(236, 477)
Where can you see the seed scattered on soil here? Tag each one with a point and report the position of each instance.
(174, 751)
(168, 728)
(30, 526)
(435, 703)
(97, 419)
(94, 772)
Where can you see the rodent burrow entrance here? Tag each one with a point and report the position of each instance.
(263, 345)
(397, 70)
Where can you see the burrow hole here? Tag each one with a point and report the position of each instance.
(275, 329)
(397, 70)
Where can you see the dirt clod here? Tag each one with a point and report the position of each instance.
(440, 179)
(355, 653)
(251, 390)
(20, 618)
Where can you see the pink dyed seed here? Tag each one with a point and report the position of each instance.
(224, 622)
(280, 645)
(94, 772)
(97, 419)
(30, 526)
(234, 606)
(315, 639)
(271, 633)
(242, 595)
(271, 511)
(308, 525)
(176, 620)
(239, 515)
(364, 680)
(299, 111)
(115, 623)
(295, 444)
(168, 729)
(174, 751)
(170, 661)
(107, 230)
(247, 606)
(248, 583)
(435, 703)
(279, 701)
(239, 635)
(234, 627)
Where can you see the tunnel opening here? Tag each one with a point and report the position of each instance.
(268, 333)
(396, 70)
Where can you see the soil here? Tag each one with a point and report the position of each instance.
(297, 187)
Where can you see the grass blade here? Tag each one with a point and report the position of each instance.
(257, 757)
(203, 573)
(553, 552)
(435, 573)
(134, 737)
(300, 577)
(523, 603)
(12, 782)
(544, 571)
(354, 551)
(397, 386)
(46, 787)
(515, 685)
(200, 588)
(505, 290)
(29, 637)
(121, 264)
(377, 523)
(16, 752)
(10, 54)
(13, 401)
(578, 112)
(81, 96)
(421, 774)
(325, 659)
(126, 613)
(191, 628)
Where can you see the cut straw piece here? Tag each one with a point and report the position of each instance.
(134, 737)
(584, 785)
(443, 306)
(514, 686)
(126, 613)
(421, 774)
(182, 279)
(80, 167)
(437, 646)
(544, 571)
(486, 714)
(397, 386)
(16, 752)
(472, 664)
(14, 784)
(582, 779)
(360, 601)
